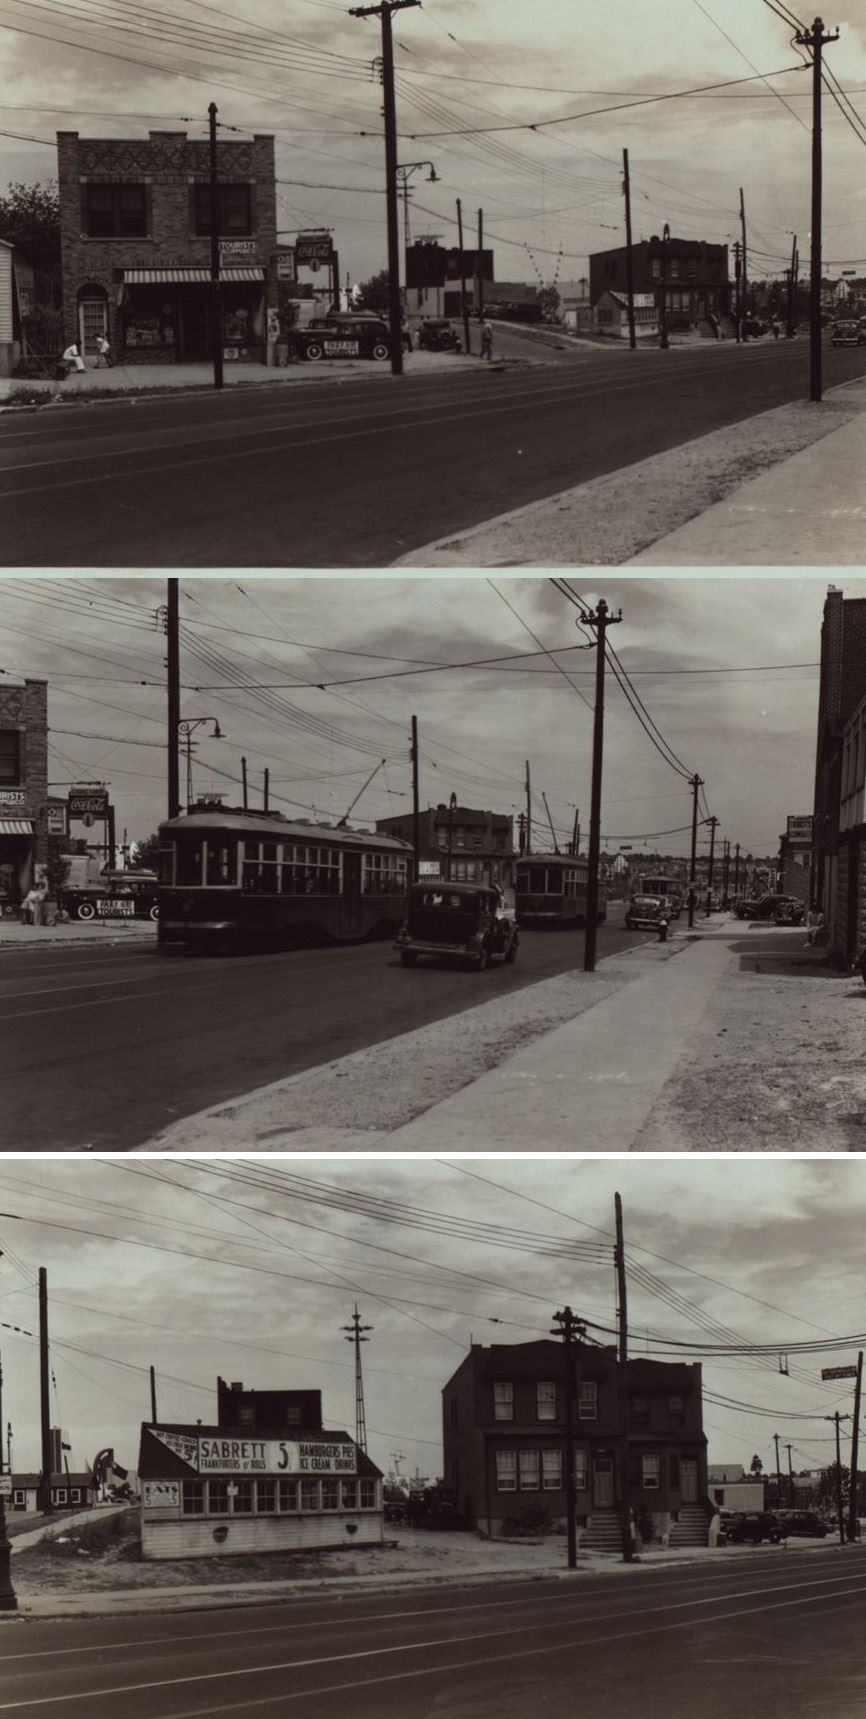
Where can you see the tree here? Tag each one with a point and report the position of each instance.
(825, 1490)
(550, 301)
(30, 220)
(373, 294)
(756, 1467)
(56, 865)
(147, 853)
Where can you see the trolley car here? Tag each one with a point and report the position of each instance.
(550, 890)
(232, 877)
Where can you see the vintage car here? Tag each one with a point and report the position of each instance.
(436, 335)
(460, 920)
(351, 334)
(117, 895)
(848, 334)
(750, 1527)
(646, 912)
(764, 906)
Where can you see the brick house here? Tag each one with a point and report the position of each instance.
(504, 1415)
(839, 839)
(698, 288)
(465, 845)
(135, 245)
(268, 1477)
(23, 784)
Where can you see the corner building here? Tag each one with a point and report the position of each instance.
(135, 225)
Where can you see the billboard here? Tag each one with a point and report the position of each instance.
(224, 1454)
(800, 829)
(313, 249)
(88, 802)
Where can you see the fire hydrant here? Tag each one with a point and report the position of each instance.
(663, 931)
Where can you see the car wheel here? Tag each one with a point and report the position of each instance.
(154, 912)
(85, 910)
(408, 957)
(380, 351)
(313, 351)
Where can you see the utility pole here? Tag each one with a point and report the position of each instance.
(521, 833)
(266, 788)
(837, 1419)
(744, 272)
(738, 280)
(853, 1501)
(480, 289)
(726, 871)
(216, 306)
(8, 1602)
(713, 822)
(153, 1414)
(778, 1474)
(622, 1390)
(790, 1478)
(528, 846)
(816, 40)
(389, 110)
(570, 1328)
(355, 1335)
(664, 343)
(172, 626)
(629, 254)
(575, 834)
(464, 308)
(737, 869)
(244, 781)
(46, 1502)
(416, 804)
(792, 291)
(601, 618)
(697, 783)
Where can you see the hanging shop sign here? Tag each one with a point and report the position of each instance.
(88, 802)
(314, 249)
(800, 829)
(286, 265)
(219, 1454)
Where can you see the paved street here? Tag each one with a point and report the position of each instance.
(773, 1635)
(355, 474)
(104, 1046)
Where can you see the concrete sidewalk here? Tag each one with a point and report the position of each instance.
(14, 935)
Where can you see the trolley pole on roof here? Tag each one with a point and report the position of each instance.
(600, 618)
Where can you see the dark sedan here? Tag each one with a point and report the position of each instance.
(803, 1522)
(750, 1527)
(765, 907)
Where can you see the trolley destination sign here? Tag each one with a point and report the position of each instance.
(214, 1454)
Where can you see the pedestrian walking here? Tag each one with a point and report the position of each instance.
(31, 906)
(72, 359)
(486, 340)
(103, 352)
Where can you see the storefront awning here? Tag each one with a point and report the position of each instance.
(16, 827)
(159, 277)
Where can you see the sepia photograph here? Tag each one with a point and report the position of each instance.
(317, 286)
(603, 1457)
(401, 863)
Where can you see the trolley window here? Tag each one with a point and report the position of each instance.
(220, 862)
(189, 862)
(311, 871)
(384, 874)
(165, 863)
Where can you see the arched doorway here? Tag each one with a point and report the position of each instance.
(92, 316)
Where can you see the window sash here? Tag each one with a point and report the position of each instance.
(545, 1400)
(529, 1470)
(551, 1470)
(587, 1404)
(581, 1470)
(506, 1471)
(650, 1466)
(503, 1401)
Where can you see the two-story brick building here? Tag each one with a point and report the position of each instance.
(839, 839)
(23, 785)
(135, 226)
(504, 1424)
(698, 288)
(463, 844)
(267, 1477)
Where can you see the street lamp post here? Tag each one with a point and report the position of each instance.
(185, 731)
(404, 174)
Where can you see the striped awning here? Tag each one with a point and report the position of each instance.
(16, 827)
(160, 277)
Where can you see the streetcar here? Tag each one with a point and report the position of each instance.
(230, 877)
(550, 890)
(671, 891)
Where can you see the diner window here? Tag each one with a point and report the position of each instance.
(75, 1494)
(368, 1495)
(19, 1498)
(220, 863)
(330, 1495)
(587, 1402)
(506, 1471)
(309, 1495)
(60, 1495)
(384, 874)
(192, 1498)
(287, 1496)
(242, 1498)
(545, 1400)
(115, 210)
(529, 1467)
(640, 1411)
(266, 1497)
(581, 1470)
(676, 1412)
(310, 871)
(235, 209)
(218, 1498)
(188, 865)
(10, 757)
(651, 1471)
(503, 1401)
(551, 1470)
(349, 1492)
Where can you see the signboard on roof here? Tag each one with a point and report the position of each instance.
(223, 1453)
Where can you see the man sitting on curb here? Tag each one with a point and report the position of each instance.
(72, 359)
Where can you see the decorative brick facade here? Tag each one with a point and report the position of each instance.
(145, 191)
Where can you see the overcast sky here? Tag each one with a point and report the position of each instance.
(259, 1290)
(746, 721)
(302, 69)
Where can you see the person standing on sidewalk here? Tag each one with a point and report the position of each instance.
(486, 341)
(103, 352)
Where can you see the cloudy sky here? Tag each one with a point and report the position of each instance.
(726, 668)
(250, 1271)
(472, 80)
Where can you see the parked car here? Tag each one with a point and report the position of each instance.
(750, 1527)
(789, 913)
(645, 912)
(848, 334)
(117, 895)
(461, 920)
(802, 1522)
(437, 335)
(351, 334)
(764, 907)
